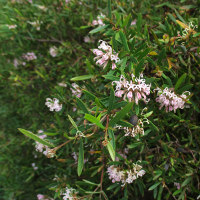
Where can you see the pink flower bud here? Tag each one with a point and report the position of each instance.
(129, 95)
(139, 96)
(113, 65)
(119, 93)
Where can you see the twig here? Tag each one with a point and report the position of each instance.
(44, 40)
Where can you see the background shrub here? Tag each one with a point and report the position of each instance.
(147, 37)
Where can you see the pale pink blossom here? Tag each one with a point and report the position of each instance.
(125, 176)
(29, 56)
(104, 53)
(133, 90)
(68, 195)
(53, 104)
(171, 101)
(99, 20)
(34, 166)
(76, 90)
(53, 51)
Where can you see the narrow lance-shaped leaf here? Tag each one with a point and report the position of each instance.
(124, 41)
(80, 158)
(81, 78)
(121, 114)
(73, 123)
(35, 137)
(100, 28)
(94, 120)
(81, 105)
(111, 151)
(154, 186)
(180, 81)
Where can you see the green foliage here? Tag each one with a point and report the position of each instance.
(88, 133)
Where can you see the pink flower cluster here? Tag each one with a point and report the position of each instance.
(134, 90)
(53, 104)
(104, 53)
(125, 176)
(171, 101)
(29, 56)
(99, 20)
(76, 91)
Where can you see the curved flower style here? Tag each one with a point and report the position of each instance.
(168, 99)
(125, 176)
(53, 104)
(104, 53)
(133, 90)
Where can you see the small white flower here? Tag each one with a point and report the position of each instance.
(62, 84)
(12, 26)
(53, 104)
(68, 194)
(53, 51)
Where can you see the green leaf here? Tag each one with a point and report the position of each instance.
(109, 9)
(135, 144)
(89, 182)
(148, 114)
(94, 120)
(154, 127)
(111, 77)
(100, 28)
(139, 22)
(81, 78)
(111, 100)
(35, 137)
(99, 103)
(172, 17)
(81, 105)
(80, 158)
(124, 123)
(114, 43)
(112, 137)
(180, 81)
(121, 114)
(73, 123)
(177, 192)
(111, 151)
(90, 95)
(187, 180)
(160, 192)
(113, 186)
(154, 186)
(124, 41)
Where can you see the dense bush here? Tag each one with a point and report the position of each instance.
(109, 93)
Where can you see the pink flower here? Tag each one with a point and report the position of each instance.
(119, 93)
(104, 53)
(130, 95)
(113, 66)
(135, 89)
(171, 101)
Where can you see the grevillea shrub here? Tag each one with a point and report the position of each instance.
(119, 98)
